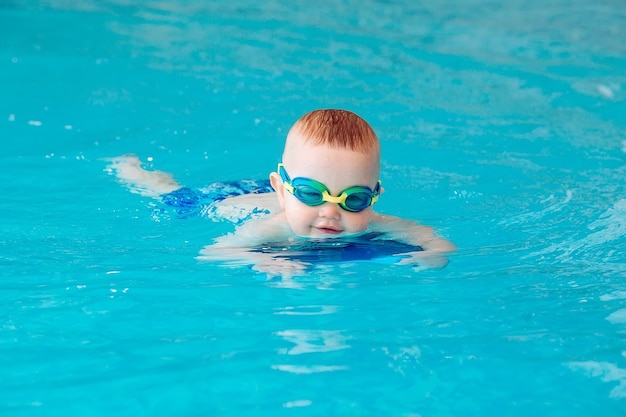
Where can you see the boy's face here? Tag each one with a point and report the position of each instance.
(337, 169)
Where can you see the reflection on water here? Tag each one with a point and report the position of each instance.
(307, 310)
(309, 369)
(313, 341)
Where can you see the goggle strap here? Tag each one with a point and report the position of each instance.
(376, 193)
(288, 187)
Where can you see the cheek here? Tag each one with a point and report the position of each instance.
(357, 222)
(298, 216)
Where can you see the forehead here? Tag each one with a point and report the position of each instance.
(337, 168)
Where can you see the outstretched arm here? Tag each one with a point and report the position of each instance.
(129, 172)
(434, 248)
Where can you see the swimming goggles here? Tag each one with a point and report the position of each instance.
(314, 193)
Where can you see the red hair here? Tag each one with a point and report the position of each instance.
(337, 129)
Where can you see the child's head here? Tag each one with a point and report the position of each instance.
(340, 150)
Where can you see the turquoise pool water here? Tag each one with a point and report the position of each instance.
(502, 125)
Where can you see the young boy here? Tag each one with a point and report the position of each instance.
(324, 187)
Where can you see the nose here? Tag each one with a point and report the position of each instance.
(330, 211)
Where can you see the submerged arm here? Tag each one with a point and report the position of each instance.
(241, 248)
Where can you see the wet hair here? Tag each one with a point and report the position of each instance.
(337, 129)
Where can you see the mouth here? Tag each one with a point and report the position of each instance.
(329, 230)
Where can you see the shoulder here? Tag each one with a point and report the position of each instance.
(411, 232)
(243, 208)
(386, 223)
(259, 232)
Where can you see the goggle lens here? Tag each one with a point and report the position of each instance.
(358, 200)
(309, 195)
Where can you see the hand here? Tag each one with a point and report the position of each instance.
(421, 260)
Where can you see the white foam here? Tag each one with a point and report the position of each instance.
(618, 316)
(605, 91)
(612, 224)
(616, 295)
(297, 403)
(607, 372)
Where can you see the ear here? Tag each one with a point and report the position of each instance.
(277, 185)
